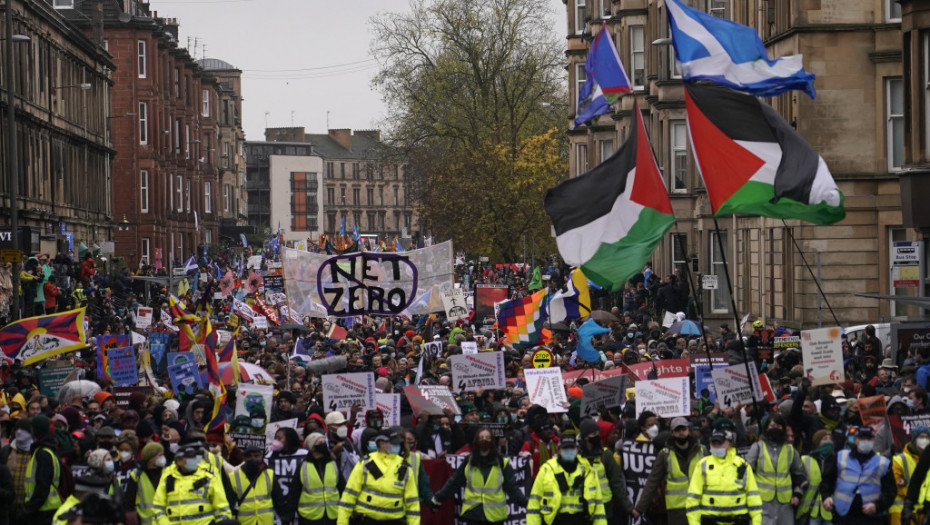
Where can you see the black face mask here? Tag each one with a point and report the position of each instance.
(683, 441)
(777, 435)
(252, 465)
(375, 424)
(322, 449)
(594, 444)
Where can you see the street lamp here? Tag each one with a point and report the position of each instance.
(123, 225)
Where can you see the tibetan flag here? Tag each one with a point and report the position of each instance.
(574, 302)
(610, 220)
(754, 163)
(226, 354)
(37, 338)
(606, 79)
(522, 319)
(213, 375)
(712, 48)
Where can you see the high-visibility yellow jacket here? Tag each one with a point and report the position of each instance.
(254, 505)
(487, 492)
(812, 502)
(774, 478)
(556, 491)
(190, 499)
(381, 487)
(319, 497)
(53, 501)
(902, 465)
(723, 487)
(65, 507)
(145, 497)
(677, 480)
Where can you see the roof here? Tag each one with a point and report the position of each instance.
(215, 64)
(363, 146)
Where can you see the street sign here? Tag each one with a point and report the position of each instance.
(542, 358)
(709, 282)
(11, 256)
(905, 264)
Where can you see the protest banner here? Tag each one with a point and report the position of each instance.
(669, 397)
(734, 387)
(591, 374)
(249, 396)
(260, 321)
(244, 440)
(523, 478)
(662, 369)
(144, 317)
(717, 358)
(343, 391)
(433, 349)
(286, 467)
(389, 405)
(469, 347)
(787, 341)
(638, 458)
(432, 399)
(123, 369)
(184, 378)
(872, 409)
(121, 394)
(104, 343)
(474, 371)
(51, 379)
(454, 303)
(546, 388)
(605, 393)
(822, 355)
(243, 310)
(168, 321)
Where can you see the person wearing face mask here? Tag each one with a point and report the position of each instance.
(254, 489)
(106, 439)
(566, 490)
(542, 443)
(189, 494)
(381, 489)
(858, 485)
(140, 490)
(648, 426)
(16, 456)
(284, 460)
(43, 476)
(609, 474)
(779, 472)
(723, 488)
(489, 482)
(319, 484)
(101, 465)
(903, 465)
(344, 452)
(673, 467)
(810, 510)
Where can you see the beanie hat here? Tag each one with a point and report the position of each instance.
(151, 450)
(819, 435)
(588, 426)
(40, 427)
(311, 440)
(96, 458)
(73, 417)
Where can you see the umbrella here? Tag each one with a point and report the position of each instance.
(294, 326)
(603, 316)
(686, 327)
(249, 373)
(79, 388)
(558, 327)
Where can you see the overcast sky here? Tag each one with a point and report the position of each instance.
(300, 59)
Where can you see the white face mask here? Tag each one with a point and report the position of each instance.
(922, 442)
(173, 447)
(652, 431)
(125, 456)
(342, 432)
(160, 462)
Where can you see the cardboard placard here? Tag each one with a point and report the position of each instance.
(469, 347)
(123, 369)
(790, 341)
(343, 391)
(184, 377)
(260, 321)
(432, 399)
(872, 409)
(822, 355)
(144, 317)
(250, 396)
(669, 397)
(734, 387)
(454, 303)
(52, 379)
(432, 349)
(474, 371)
(605, 393)
(389, 405)
(546, 389)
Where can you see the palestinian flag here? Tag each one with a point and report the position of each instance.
(754, 163)
(610, 220)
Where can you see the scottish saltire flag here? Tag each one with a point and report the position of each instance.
(731, 54)
(522, 319)
(606, 79)
(190, 265)
(355, 234)
(37, 338)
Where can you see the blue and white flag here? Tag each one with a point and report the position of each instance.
(731, 54)
(190, 265)
(606, 79)
(355, 235)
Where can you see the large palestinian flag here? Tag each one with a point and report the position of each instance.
(754, 163)
(610, 220)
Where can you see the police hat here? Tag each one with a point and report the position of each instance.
(865, 432)
(719, 436)
(189, 450)
(568, 441)
(253, 448)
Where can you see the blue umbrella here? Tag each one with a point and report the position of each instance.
(689, 327)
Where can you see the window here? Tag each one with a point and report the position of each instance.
(329, 170)
(143, 123)
(638, 56)
(371, 196)
(208, 237)
(604, 11)
(177, 136)
(187, 141)
(330, 196)
(227, 198)
(371, 221)
(145, 250)
(679, 251)
(208, 197)
(607, 148)
(719, 298)
(356, 197)
(205, 107)
(177, 82)
(892, 11)
(304, 208)
(226, 154)
(679, 162)
(717, 8)
(143, 67)
(580, 16)
(179, 192)
(63, 4)
(355, 170)
(396, 199)
(894, 89)
(580, 77)
(187, 194)
(144, 191)
(342, 195)
(171, 194)
(581, 159)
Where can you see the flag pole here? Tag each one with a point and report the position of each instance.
(817, 282)
(726, 273)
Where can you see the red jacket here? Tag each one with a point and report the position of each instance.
(51, 295)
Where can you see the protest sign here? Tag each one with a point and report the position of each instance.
(123, 369)
(486, 297)
(717, 358)
(144, 317)
(704, 380)
(389, 405)
(734, 387)
(433, 349)
(638, 458)
(542, 358)
(243, 310)
(523, 479)
(545, 388)
(249, 397)
(605, 393)
(104, 343)
(260, 321)
(286, 467)
(454, 303)
(121, 394)
(669, 319)
(788, 341)
(474, 371)
(244, 440)
(469, 347)
(669, 397)
(167, 320)
(662, 369)
(432, 399)
(184, 377)
(872, 409)
(591, 374)
(822, 355)
(51, 379)
(180, 357)
(343, 391)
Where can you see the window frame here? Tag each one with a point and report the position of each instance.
(144, 191)
(581, 158)
(205, 103)
(580, 15)
(890, 120)
(142, 58)
(637, 49)
(208, 196)
(888, 12)
(676, 152)
(146, 245)
(187, 194)
(227, 194)
(720, 272)
(179, 192)
(143, 123)
(581, 76)
(600, 147)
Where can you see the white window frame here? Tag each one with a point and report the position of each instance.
(721, 294)
(205, 107)
(718, 8)
(146, 246)
(678, 151)
(893, 120)
(207, 197)
(187, 194)
(179, 192)
(606, 148)
(225, 154)
(580, 13)
(638, 50)
(581, 76)
(226, 196)
(890, 7)
(142, 62)
(603, 10)
(143, 123)
(187, 141)
(581, 158)
(678, 256)
(144, 191)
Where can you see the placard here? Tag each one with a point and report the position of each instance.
(734, 387)
(249, 396)
(104, 343)
(123, 369)
(469, 347)
(638, 458)
(669, 319)
(389, 405)
(432, 399)
(245, 440)
(184, 378)
(52, 379)
(669, 397)
(789, 341)
(158, 348)
(546, 388)
(478, 371)
(822, 355)
(662, 368)
(144, 317)
(542, 358)
(243, 310)
(260, 321)
(606, 393)
(343, 391)
(121, 394)
(872, 410)
(432, 349)
(454, 303)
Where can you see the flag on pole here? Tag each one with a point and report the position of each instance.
(606, 79)
(35, 339)
(190, 265)
(574, 302)
(355, 234)
(522, 320)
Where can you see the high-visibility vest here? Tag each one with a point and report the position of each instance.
(774, 480)
(607, 495)
(676, 481)
(548, 500)
(723, 487)
(415, 459)
(906, 463)
(811, 503)
(53, 501)
(145, 497)
(190, 499)
(319, 497)
(391, 496)
(69, 504)
(852, 478)
(256, 508)
(487, 492)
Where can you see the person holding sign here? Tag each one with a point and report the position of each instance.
(723, 488)
(779, 472)
(489, 482)
(673, 468)
(566, 490)
(381, 490)
(858, 485)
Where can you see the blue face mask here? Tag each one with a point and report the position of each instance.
(372, 446)
(718, 452)
(191, 464)
(569, 454)
(395, 449)
(109, 467)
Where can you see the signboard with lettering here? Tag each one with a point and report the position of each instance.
(478, 371)
(343, 391)
(822, 355)
(665, 397)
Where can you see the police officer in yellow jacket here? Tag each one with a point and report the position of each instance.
(254, 489)
(381, 489)
(140, 490)
(84, 486)
(723, 488)
(189, 492)
(566, 490)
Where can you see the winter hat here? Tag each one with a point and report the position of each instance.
(311, 440)
(97, 458)
(819, 435)
(588, 426)
(72, 416)
(151, 450)
(40, 427)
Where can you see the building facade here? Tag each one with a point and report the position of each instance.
(856, 123)
(61, 85)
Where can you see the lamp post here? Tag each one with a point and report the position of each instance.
(11, 142)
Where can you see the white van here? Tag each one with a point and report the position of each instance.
(882, 332)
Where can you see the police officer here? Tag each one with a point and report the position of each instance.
(566, 490)
(779, 472)
(381, 489)
(43, 476)
(252, 484)
(319, 484)
(723, 488)
(609, 474)
(83, 487)
(673, 468)
(858, 485)
(189, 493)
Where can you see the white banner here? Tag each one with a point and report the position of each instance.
(478, 371)
(454, 302)
(343, 391)
(440, 396)
(389, 405)
(470, 347)
(167, 320)
(433, 349)
(822, 355)
(243, 310)
(669, 397)
(260, 321)
(250, 396)
(732, 385)
(605, 393)
(545, 388)
(144, 317)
